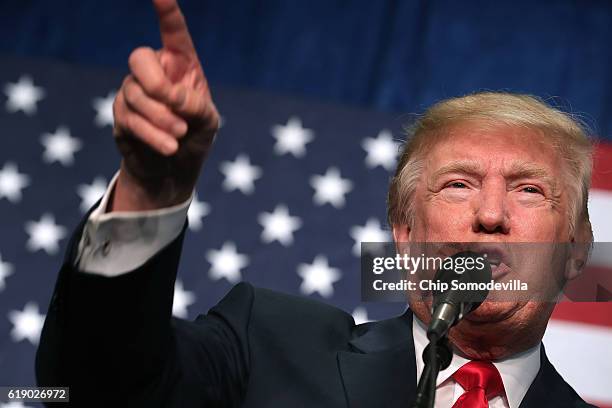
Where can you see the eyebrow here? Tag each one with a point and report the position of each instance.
(523, 169)
(518, 170)
(462, 166)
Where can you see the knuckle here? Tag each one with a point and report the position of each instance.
(116, 103)
(126, 80)
(137, 54)
(116, 114)
(157, 86)
(195, 106)
(127, 122)
(118, 109)
(162, 119)
(133, 94)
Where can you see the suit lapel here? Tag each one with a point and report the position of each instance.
(538, 395)
(380, 369)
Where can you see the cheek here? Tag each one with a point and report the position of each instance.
(537, 224)
(450, 217)
(441, 222)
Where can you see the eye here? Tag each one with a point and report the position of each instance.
(457, 184)
(531, 189)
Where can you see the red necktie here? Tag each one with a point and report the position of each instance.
(481, 382)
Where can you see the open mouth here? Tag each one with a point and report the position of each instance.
(498, 269)
(495, 253)
(497, 257)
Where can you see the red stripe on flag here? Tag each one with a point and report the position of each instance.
(597, 313)
(597, 404)
(602, 167)
(593, 285)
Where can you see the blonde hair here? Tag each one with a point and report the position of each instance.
(566, 134)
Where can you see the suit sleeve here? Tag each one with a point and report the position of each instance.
(119, 242)
(114, 342)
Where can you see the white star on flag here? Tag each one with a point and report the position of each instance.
(197, 211)
(381, 151)
(240, 174)
(104, 109)
(279, 225)
(226, 263)
(44, 234)
(370, 232)
(318, 277)
(23, 95)
(60, 146)
(182, 300)
(91, 193)
(292, 138)
(12, 182)
(6, 270)
(330, 188)
(360, 315)
(27, 324)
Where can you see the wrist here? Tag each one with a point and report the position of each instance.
(132, 194)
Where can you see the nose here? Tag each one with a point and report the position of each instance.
(490, 210)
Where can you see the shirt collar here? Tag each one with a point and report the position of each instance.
(517, 371)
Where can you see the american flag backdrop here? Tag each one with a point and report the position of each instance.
(289, 191)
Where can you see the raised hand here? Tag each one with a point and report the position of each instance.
(165, 119)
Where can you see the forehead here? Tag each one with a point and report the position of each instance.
(493, 146)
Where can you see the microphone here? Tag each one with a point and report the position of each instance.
(470, 272)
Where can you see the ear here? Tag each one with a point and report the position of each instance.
(580, 250)
(579, 254)
(401, 235)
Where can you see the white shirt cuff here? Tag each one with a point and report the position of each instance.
(115, 243)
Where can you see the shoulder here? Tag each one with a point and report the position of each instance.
(565, 390)
(270, 311)
(279, 304)
(550, 386)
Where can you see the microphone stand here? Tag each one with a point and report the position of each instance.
(437, 356)
(447, 309)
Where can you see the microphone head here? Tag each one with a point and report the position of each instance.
(466, 275)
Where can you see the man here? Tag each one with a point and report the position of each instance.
(483, 168)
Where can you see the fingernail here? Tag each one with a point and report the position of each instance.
(179, 128)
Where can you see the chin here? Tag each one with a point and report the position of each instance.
(494, 312)
(499, 329)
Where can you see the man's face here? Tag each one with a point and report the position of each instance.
(485, 183)
(488, 183)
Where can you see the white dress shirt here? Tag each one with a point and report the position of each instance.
(517, 373)
(119, 242)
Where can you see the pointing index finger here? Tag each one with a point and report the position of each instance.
(173, 28)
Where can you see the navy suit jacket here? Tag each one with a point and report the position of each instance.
(114, 342)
